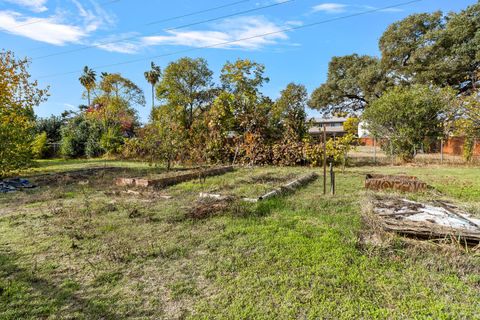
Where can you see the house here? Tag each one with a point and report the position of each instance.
(333, 126)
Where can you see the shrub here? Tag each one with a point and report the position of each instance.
(112, 141)
(39, 145)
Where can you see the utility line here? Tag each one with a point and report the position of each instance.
(231, 4)
(197, 12)
(313, 24)
(158, 32)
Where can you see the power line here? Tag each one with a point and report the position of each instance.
(313, 24)
(41, 20)
(158, 32)
(197, 12)
(231, 4)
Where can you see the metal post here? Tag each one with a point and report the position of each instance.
(441, 151)
(324, 159)
(332, 179)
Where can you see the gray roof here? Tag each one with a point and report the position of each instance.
(319, 130)
(328, 120)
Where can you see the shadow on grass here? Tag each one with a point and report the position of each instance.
(24, 295)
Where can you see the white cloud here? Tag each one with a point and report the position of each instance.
(383, 10)
(40, 29)
(93, 18)
(330, 7)
(243, 33)
(54, 29)
(115, 44)
(34, 5)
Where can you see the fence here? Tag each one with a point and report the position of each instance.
(375, 155)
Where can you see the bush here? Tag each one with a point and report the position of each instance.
(288, 154)
(39, 146)
(112, 141)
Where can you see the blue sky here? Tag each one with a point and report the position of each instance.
(62, 36)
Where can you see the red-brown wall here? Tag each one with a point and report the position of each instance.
(452, 146)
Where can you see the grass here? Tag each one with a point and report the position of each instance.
(86, 251)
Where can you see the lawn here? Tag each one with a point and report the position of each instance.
(82, 249)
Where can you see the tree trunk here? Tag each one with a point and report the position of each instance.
(153, 96)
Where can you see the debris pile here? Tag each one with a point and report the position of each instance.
(437, 220)
(12, 185)
(401, 183)
(170, 181)
(209, 205)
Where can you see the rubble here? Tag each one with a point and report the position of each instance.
(17, 184)
(438, 219)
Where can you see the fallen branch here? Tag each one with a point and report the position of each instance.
(287, 188)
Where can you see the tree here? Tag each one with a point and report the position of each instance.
(153, 76)
(114, 104)
(351, 126)
(51, 126)
(241, 82)
(290, 110)
(353, 82)
(88, 80)
(18, 96)
(407, 116)
(165, 137)
(432, 48)
(81, 137)
(187, 83)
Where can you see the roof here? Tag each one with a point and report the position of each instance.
(319, 130)
(328, 120)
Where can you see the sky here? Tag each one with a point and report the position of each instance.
(62, 36)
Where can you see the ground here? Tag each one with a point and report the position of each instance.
(78, 247)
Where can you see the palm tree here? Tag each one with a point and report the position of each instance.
(153, 76)
(88, 79)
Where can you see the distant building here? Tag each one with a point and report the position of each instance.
(333, 126)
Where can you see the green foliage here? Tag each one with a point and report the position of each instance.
(336, 150)
(406, 116)
(112, 141)
(289, 109)
(427, 49)
(18, 96)
(39, 145)
(165, 138)
(468, 148)
(353, 82)
(153, 76)
(351, 125)
(81, 137)
(433, 48)
(51, 126)
(187, 83)
(88, 80)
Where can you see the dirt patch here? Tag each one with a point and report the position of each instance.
(75, 176)
(401, 183)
